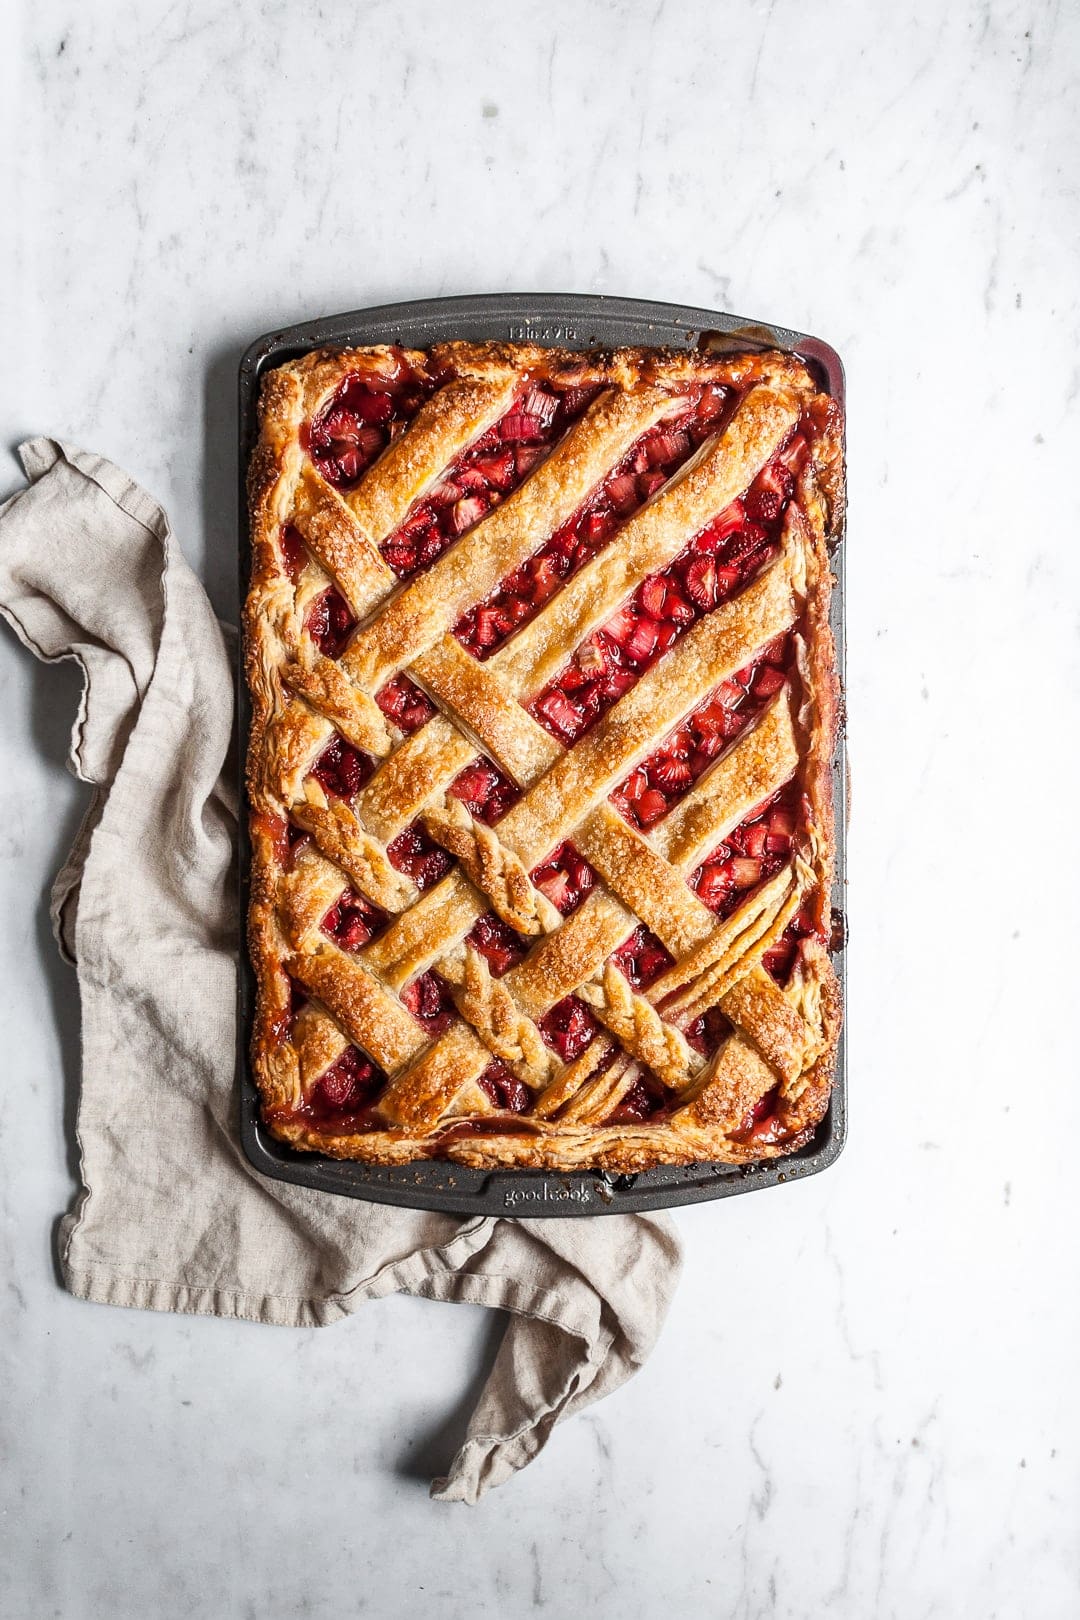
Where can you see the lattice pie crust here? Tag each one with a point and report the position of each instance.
(544, 702)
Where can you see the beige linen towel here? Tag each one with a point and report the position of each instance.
(171, 1216)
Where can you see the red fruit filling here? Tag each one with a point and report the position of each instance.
(644, 1101)
(485, 790)
(717, 563)
(750, 855)
(770, 492)
(403, 703)
(759, 1123)
(779, 959)
(646, 466)
(568, 1028)
(330, 623)
(565, 878)
(288, 840)
(483, 475)
(345, 1088)
(642, 958)
(428, 999)
(352, 921)
(341, 768)
(298, 840)
(418, 856)
(276, 829)
(504, 1089)
(706, 1032)
(660, 781)
(293, 551)
(500, 946)
(361, 419)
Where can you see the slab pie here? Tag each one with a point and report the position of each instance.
(544, 702)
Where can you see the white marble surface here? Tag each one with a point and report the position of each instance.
(865, 1401)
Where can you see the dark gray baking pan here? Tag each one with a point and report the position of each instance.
(572, 321)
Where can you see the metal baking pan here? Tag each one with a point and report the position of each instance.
(571, 321)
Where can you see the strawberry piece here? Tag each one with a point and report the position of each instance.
(677, 610)
(640, 1103)
(713, 882)
(653, 596)
(730, 694)
(767, 682)
(724, 524)
(330, 622)
(701, 584)
(620, 627)
(615, 683)
(400, 555)
(597, 656)
(667, 635)
(728, 581)
(706, 1032)
(634, 785)
(651, 806)
(763, 505)
(576, 677)
(565, 877)
(581, 873)
(599, 524)
(540, 578)
(670, 773)
(471, 481)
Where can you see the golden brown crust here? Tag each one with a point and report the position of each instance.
(784, 1038)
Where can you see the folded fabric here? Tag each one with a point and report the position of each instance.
(170, 1215)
